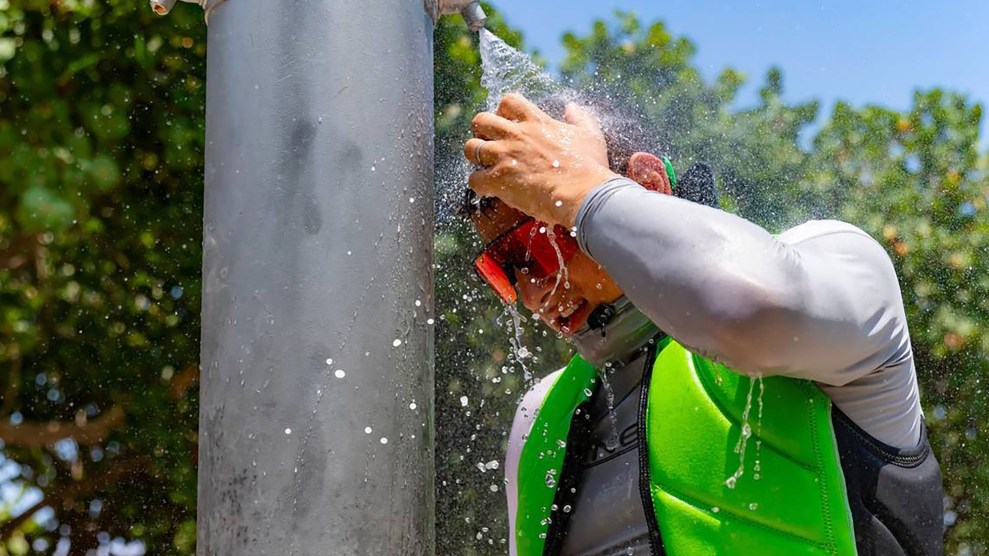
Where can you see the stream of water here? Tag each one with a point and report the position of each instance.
(743, 438)
(509, 70)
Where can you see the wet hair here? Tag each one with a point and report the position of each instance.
(625, 133)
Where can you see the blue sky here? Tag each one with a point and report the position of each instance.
(864, 52)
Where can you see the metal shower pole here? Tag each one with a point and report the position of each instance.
(316, 420)
(316, 411)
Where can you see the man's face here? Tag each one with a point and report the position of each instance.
(562, 300)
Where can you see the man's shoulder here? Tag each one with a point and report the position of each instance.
(813, 229)
(534, 397)
(839, 238)
(525, 416)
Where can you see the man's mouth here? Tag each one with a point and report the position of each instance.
(571, 309)
(570, 318)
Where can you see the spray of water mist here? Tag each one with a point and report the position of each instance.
(505, 70)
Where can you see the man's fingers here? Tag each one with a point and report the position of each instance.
(482, 153)
(581, 117)
(486, 125)
(517, 108)
(482, 182)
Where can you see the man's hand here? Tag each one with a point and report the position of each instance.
(536, 164)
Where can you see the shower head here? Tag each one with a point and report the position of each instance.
(471, 10)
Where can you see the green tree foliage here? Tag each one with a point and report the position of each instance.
(101, 147)
(915, 180)
(101, 152)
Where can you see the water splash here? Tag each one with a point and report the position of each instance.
(611, 443)
(743, 438)
(509, 70)
(505, 69)
(519, 350)
(757, 468)
(562, 275)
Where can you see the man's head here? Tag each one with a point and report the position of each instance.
(527, 265)
(542, 264)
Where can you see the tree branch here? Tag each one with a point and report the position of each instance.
(18, 252)
(13, 385)
(183, 381)
(58, 496)
(38, 435)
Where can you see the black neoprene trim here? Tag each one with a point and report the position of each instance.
(655, 538)
(571, 473)
(895, 495)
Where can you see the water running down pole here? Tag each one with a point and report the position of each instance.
(316, 420)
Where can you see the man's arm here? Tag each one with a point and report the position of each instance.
(822, 304)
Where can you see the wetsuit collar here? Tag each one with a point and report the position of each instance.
(617, 338)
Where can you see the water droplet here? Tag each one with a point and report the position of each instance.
(288, 431)
(430, 321)
(715, 509)
(730, 481)
(412, 199)
(367, 430)
(463, 401)
(383, 440)
(558, 203)
(561, 443)
(556, 164)
(329, 361)
(753, 506)
(413, 406)
(339, 373)
(372, 167)
(493, 464)
(396, 343)
(494, 488)
(567, 508)
(418, 303)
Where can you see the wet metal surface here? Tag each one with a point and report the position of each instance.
(318, 245)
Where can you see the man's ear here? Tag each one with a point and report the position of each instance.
(650, 172)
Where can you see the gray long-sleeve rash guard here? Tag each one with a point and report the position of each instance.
(821, 301)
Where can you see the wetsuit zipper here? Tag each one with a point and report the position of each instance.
(655, 539)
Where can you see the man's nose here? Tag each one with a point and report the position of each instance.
(534, 292)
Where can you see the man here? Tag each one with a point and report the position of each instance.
(679, 306)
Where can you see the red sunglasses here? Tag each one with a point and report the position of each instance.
(529, 247)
